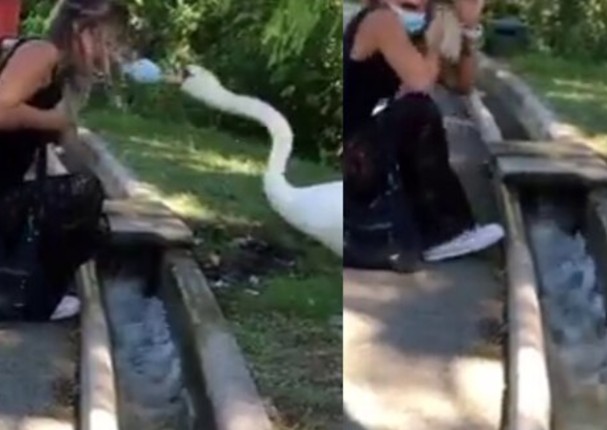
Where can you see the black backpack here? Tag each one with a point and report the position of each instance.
(24, 294)
(379, 231)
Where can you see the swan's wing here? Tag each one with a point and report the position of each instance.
(316, 211)
(322, 199)
(319, 209)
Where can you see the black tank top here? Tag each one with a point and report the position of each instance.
(18, 147)
(366, 82)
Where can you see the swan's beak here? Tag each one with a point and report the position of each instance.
(179, 77)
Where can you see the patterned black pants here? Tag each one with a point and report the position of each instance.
(71, 226)
(410, 133)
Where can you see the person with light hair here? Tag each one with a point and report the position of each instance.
(398, 157)
(35, 75)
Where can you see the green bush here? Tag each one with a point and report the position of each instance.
(563, 27)
(287, 52)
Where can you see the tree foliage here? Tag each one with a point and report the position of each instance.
(564, 27)
(287, 52)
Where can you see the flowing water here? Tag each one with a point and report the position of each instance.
(574, 309)
(152, 392)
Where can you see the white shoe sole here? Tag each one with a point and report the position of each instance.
(493, 235)
(68, 307)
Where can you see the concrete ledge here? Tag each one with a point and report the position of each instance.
(564, 150)
(528, 398)
(544, 163)
(228, 382)
(230, 388)
(533, 170)
(98, 408)
(529, 391)
(118, 181)
(484, 120)
(539, 121)
(137, 221)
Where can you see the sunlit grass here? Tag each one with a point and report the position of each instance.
(576, 90)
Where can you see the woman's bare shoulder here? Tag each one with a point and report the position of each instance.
(382, 20)
(38, 50)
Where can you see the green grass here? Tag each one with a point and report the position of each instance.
(576, 90)
(280, 312)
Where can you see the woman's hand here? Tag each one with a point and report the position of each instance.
(60, 117)
(469, 12)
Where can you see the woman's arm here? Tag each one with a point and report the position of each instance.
(383, 32)
(460, 77)
(28, 70)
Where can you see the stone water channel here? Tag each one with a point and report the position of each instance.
(152, 386)
(571, 293)
(176, 364)
(155, 384)
(149, 368)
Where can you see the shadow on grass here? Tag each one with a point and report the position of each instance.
(214, 181)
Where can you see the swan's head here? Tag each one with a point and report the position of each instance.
(200, 83)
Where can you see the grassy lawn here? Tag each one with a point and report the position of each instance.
(278, 289)
(577, 91)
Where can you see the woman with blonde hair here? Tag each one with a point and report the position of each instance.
(48, 226)
(403, 202)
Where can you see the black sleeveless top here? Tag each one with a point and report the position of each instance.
(18, 147)
(366, 82)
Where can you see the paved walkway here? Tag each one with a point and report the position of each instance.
(37, 372)
(414, 353)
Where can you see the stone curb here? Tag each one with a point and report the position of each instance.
(540, 122)
(98, 408)
(229, 384)
(230, 388)
(118, 180)
(484, 120)
(529, 403)
(528, 396)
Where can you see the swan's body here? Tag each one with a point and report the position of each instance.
(317, 210)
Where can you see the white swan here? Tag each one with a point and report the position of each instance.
(317, 210)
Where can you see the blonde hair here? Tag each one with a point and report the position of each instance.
(67, 19)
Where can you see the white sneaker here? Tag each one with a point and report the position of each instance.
(471, 241)
(68, 307)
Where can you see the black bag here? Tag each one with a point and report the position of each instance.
(379, 229)
(22, 277)
(48, 228)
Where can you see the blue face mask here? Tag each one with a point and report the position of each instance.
(413, 22)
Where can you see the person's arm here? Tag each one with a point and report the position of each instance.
(417, 71)
(464, 72)
(460, 77)
(28, 70)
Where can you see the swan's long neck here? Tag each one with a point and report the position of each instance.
(266, 115)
